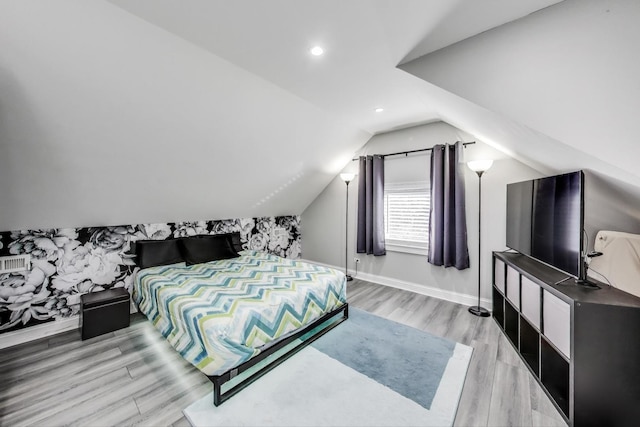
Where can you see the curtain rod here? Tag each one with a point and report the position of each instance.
(464, 144)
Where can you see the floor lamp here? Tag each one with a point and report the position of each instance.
(479, 167)
(347, 178)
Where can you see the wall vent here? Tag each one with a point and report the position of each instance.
(13, 263)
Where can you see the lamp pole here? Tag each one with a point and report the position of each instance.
(479, 167)
(347, 178)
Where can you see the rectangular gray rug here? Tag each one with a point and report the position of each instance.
(368, 371)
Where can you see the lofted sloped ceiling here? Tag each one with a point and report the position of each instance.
(128, 111)
(364, 40)
(557, 88)
(106, 119)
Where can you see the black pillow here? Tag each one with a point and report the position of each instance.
(200, 249)
(234, 240)
(151, 253)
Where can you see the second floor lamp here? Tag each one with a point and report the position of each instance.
(347, 178)
(479, 167)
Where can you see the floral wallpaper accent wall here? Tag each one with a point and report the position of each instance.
(68, 262)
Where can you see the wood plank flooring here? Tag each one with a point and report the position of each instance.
(134, 377)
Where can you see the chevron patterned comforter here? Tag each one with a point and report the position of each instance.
(220, 314)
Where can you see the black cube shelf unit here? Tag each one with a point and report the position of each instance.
(581, 344)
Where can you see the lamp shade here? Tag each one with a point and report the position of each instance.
(480, 165)
(347, 177)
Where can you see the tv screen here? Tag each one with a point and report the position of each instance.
(545, 220)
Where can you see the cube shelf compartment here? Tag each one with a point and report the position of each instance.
(581, 344)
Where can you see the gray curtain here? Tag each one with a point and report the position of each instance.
(371, 206)
(447, 223)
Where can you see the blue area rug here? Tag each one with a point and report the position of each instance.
(389, 353)
(367, 371)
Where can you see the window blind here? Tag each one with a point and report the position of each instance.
(407, 213)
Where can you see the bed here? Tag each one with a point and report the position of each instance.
(233, 314)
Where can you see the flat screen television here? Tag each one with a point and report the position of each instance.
(545, 221)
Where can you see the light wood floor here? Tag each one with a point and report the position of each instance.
(133, 376)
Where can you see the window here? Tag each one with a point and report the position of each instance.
(406, 217)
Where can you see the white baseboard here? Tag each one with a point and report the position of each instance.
(418, 288)
(9, 339)
(21, 336)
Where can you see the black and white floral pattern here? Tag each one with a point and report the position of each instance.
(68, 262)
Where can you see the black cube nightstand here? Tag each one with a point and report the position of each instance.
(104, 311)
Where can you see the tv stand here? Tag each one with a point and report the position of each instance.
(563, 281)
(581, 346)
(587, 284)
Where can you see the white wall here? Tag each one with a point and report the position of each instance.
(106, 119)
(569, 71)
(324, 220)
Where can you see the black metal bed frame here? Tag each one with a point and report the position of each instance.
(218, 380)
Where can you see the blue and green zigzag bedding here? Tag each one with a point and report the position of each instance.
(220, 314)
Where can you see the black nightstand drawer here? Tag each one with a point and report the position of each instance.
(103, 312)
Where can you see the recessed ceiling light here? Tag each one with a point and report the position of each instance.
(317, 51)
(379, 110)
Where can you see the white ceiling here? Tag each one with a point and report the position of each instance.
(215, 109)
(364, 41)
